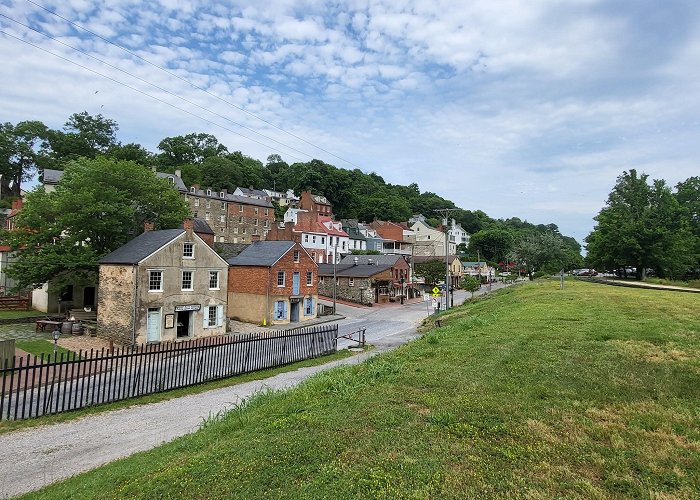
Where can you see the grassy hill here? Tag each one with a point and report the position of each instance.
(593, 391)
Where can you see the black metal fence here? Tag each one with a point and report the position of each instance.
(54, 384)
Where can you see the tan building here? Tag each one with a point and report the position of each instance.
(272, 282)
(162, 286)
(455, 265)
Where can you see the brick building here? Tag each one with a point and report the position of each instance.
(272, 282)
(315, 203)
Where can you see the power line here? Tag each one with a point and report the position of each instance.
(154, 85)
(133, 54)
(149, 95)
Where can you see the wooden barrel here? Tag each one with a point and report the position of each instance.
(67, 327)
(77, 329)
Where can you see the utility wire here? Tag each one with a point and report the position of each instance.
(155, 86)
(133, 54)
(148, 95)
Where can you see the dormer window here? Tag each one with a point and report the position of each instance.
(172, 180)
(208, 192)
(188, 250)
(192, 189)
(221, 194)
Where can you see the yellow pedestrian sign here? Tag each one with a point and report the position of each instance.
(436, 292)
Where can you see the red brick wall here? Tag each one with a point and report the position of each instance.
(249, 279)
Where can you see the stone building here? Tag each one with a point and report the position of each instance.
(361, 283)
(272, 282)
(162, 286)
(233, 218)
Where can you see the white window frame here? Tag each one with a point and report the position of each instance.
(208, 192)
(218, 281)
(297, 256)
(351, 281)
(150, 279)
(283, 275)
(182, 280)
(184, 250)
(196, 202)
(309, 278)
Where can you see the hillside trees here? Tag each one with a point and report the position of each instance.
(99, 205)
(24, 148)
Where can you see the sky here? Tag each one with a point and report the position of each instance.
(526, 109)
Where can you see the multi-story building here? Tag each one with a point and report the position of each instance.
(315, 203)
(396, 237)
(320, 235)
(233, 218)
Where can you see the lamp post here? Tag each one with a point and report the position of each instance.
(335, 279)
(56, 334)
(402, 282)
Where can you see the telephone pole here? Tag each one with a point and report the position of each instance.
(445, 213)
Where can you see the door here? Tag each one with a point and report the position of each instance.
(184, 324)
(89, 296)
(295, 283)
(294, 312)
(153, 325)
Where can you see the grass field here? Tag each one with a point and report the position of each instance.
(589, 392)
(20, 314)
(40, 346)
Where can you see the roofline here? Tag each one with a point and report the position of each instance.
(184, 231)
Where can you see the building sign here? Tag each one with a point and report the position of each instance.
(188, 307)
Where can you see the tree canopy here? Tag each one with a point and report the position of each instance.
(98, 205)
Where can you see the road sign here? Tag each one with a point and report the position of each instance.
(436, 291)
(435, 304)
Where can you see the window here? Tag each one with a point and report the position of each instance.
(297, 255)
(267, 212)
(187, 280)
(240, 220)
(280, 278)
(313, 256)
(244, 230)
(194, 214)
(192, 189)
(155, 281)
(213, 316)
(208, 192)
(188, 250)
(321, 280)
(196, 202)
(255, 231)
(255, 222)
(265, 224)
(213, 280)
(306, 238)
(323, 240)
(313, 239)
(309, 278)
(343, 245)
(280, 310)
(240, 208)
(208, 203)
(206, 216)
(351, 281)
(235, 230)
(308, 307)
(256, 210)
(223, 205)
(222, 218)
(330, 241)
(221, 195)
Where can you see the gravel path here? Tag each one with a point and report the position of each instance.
(40, 456)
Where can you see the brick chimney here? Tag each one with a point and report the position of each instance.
(148, 226)
(17, 204)
(255, 237)
(188, 226)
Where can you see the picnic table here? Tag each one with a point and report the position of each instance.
(41, 324)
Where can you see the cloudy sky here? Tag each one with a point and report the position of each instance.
(518, 108)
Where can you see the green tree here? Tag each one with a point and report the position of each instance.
(433, 271)
(98, 206)
(83, 135)
(644, 226)
(190, 148)
(24, 149)
(493, 244)
(540, 252)
(132, 152)
(688, 196)
(470, 284)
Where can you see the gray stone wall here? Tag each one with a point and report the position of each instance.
(115, 303)
(361, 292)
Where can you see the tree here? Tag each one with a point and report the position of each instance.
(24, 149)
(98, 206)
(432, 271)
(83, 135)
(470, 284)
(540, 251)
(642, 226)
(132, 152)
(493, 244)
(190, 148)
(688, 196)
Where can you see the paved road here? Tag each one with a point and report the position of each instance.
(42, 455)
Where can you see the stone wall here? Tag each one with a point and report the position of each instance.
(361, 292)
(115, 303)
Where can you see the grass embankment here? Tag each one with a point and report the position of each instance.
(592, 391)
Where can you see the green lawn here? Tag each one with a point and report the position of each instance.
(20, 314)
(589, 392)
(40, 346)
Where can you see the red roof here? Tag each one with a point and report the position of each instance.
(323, 220)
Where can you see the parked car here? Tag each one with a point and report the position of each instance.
(585, 272)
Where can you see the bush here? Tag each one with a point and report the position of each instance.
(539, 274)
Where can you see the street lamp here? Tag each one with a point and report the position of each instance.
(402, 281)
(56, 334)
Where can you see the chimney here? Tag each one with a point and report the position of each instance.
(17, 204)
(178, 173)
(148, 226)
(188, 226)
(255, 237)
(354, 261)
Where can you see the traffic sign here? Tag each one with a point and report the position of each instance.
(436, 291)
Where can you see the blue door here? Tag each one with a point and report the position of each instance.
(295, 283)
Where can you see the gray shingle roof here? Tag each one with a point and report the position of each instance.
(352, 271)
(201, 226)
(243, 200)
(261, 253)
(141, 247)
(229, 250)
(386, 260)
(52, 176)
(177, 181)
